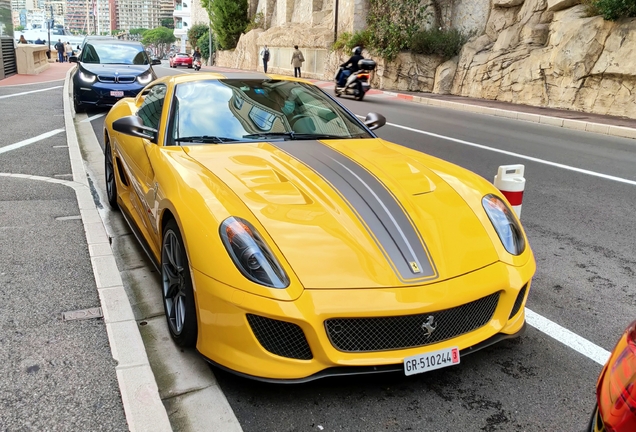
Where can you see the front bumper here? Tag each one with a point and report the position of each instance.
(99, 94)
(227, 339)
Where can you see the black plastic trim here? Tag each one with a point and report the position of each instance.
(364, 370)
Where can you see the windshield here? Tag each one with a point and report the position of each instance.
(225, 111)
(114, 53)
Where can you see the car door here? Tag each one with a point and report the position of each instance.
(136, 153)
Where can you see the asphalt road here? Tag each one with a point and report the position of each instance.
(580, 227)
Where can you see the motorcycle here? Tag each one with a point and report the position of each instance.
(197, 64)
(357, 84)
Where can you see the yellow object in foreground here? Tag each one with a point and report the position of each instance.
(294, 244)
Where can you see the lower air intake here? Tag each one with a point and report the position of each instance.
(280, 337)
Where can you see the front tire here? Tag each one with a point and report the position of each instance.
(111, 182)
(178, 295)
(78, 107)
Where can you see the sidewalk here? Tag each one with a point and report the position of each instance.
(56, 72)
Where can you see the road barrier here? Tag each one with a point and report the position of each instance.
(510, 181)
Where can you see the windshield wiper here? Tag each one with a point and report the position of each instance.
(207, 139)
(294, 135)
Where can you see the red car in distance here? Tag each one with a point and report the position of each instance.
(616, 388)
(180, 59)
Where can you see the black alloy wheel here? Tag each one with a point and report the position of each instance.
(77, 106)
(109, 173)
(178, 295)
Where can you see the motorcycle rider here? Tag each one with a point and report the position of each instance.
(196, 56)
(350, 66)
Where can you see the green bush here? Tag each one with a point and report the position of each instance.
(444, 43)
(348, 41)
(195, 33)
(229, 20)
(392, 25)
(611, 10)
(257, 21)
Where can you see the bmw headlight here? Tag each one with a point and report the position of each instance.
(505, 224)
(144, 78)
(87, 77)
(250, 253)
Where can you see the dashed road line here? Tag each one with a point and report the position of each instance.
(30, 141)
(90, 119)
(29, 92)
(568, 338)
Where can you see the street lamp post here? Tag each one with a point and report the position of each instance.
(335, 31)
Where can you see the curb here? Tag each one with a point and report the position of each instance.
(143, 407)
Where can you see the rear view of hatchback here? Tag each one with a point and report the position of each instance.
(109, 70)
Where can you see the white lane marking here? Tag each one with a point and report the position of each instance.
(30, 141)
(90, 119)
(29, 92)
(30, 84)
(65, 218)
(519, 155)
(568, 338)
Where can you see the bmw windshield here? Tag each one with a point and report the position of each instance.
(232, 110)
(114, 53)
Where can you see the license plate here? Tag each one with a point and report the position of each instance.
(117, 93)
(430, 361)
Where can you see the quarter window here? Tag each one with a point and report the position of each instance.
(150, 111)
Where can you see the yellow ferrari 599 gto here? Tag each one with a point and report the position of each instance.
(294, 244)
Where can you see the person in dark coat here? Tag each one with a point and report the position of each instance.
(59, 47)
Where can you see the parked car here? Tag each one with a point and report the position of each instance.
(316, 248)
(109, 70)
(180, 59)
(615, 409)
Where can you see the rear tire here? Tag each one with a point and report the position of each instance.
(360, 91)
(178, 295)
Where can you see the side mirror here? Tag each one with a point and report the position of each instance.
(134, 126)
(374, 120)
(72, 59)
(156, 61)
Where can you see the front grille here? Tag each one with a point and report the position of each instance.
(280, 337)
(126, 79)
(106, 78)
(407, 331)
(518, 301)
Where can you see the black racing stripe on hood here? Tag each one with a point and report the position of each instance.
(374, 204)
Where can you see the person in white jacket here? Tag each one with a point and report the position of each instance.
(264, 54)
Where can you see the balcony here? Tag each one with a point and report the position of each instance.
(181, 13)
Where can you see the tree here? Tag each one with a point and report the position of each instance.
(19, 28)
(229, 20)
(160, 37)
(204, 45)
(195, 33)
(167, 23)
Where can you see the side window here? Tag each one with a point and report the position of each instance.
(150, 110)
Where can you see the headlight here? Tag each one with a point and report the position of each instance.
(250, 253)
(505, 224)
(145, 78)
(87, 77)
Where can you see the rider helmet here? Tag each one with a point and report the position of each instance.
(357, 51)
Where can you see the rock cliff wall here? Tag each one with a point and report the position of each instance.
(536, 52)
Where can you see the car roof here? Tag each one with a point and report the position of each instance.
(114, 42)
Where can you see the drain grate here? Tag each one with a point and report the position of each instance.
(83, 314)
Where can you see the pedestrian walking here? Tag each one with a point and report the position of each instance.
(69, 50)
(59, 47)
(297, 61)
(265, 56)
